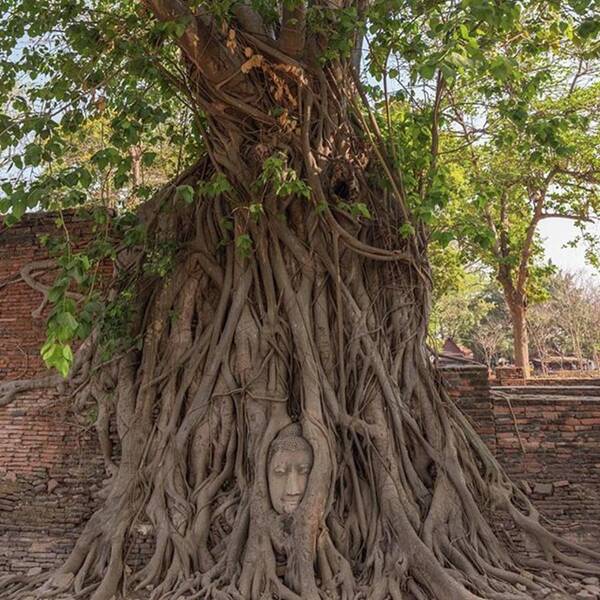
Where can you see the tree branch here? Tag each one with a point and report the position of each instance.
(292, 38)
(435, 127)
(584, 218)
(199, 43)
(250, 20)
(527, 244)
(578, 74)
(590, 176)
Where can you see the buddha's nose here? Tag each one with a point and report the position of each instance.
(294, 485)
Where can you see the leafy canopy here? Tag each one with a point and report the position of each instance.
(93, 113)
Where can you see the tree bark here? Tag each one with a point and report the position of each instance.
(283, 305)
(518, 315)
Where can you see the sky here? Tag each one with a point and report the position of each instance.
(556, 233)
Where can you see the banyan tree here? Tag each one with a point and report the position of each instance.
(282, 431)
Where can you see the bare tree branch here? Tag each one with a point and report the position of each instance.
(584, 218)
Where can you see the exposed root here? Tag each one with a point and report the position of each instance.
(321, 321)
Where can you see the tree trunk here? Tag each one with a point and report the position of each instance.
(282, 431)
(518, 312)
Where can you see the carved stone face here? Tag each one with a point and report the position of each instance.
(290, 463)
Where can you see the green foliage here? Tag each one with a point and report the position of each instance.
(114, 327)
(468, 308)
(217, 185)
(283, 179)
(339, 24)
(70, 319)
(478, 102)
(256, 210)
(356, 209)
(185, 193)
(159, 260)
(76, 294)
(80, 91)
(243, 245)
(518, 153)
(406, 230)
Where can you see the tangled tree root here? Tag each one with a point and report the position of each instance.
(401, 491)
(318, 318)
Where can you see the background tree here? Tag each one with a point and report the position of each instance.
(153, 159)
(460, 309)
(544, 332)
(471, 312)
(468, 306)
(526, 143)
(490, 341)
(280, 277)
(565, 324)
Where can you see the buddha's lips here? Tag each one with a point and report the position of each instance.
(291, 503)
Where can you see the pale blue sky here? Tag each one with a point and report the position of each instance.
(556, 233)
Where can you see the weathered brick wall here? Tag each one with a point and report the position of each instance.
(549, 439)
(51, 470)
(469, 387)
(510, 375)
(50, 466)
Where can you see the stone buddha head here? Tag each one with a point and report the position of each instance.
(289, 464)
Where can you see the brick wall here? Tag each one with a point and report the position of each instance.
(51, 470)
(549, 439)
(469, 387)
(50, 466)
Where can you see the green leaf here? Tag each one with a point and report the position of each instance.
(56, 293)
(148, 158)
(360, 209)
(589, 28)
(427, 71)
(501, 68)
(217, 185)
(62, 365)
(406, 230)
(33, 155)
(243, 243)
(227, 224)
(185, 193)
(67, 353)
(443, 238)
(105, 157)
(256, 210)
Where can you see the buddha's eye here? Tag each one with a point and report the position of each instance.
(279, 470)
(303, 469)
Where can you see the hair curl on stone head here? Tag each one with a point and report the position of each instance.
(289, 438)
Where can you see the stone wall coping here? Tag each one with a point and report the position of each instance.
(462, 367)
(559, 391)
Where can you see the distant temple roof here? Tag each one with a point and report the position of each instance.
(451, 347)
